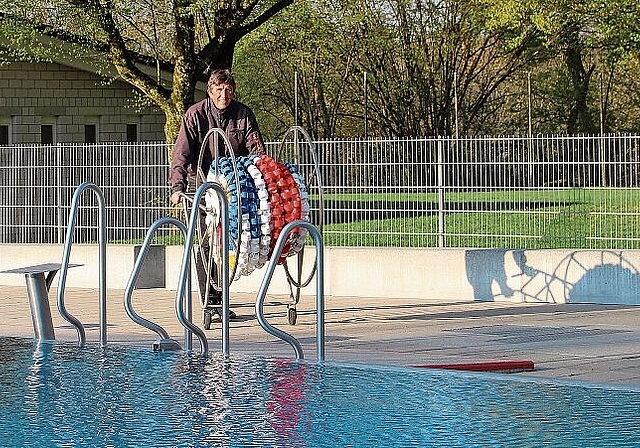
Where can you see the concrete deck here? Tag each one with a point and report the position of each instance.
(581, 342)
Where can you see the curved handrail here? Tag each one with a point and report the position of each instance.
(316, 165)
(102, 238)
(165, 342)
(317, 238)
(203, 177)
(191, 228)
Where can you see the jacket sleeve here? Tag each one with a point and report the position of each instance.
(255, 143)
(184, 153)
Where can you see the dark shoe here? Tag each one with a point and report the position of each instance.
(217, 316)
(214, 300)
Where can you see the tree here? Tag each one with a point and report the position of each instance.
(316, 45)
(141, 40)
(585, 35)
(412, 51)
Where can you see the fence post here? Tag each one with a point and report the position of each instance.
(59, 220)
(441, 242)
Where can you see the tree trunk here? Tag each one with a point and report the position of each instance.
(579, 119)
(171, 127)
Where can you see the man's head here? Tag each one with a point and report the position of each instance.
(221, 88)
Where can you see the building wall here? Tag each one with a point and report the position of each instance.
(36, 94)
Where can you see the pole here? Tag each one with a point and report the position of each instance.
(603, 168)
(455, 100)
(601, 107)
(529, 103)
(366, 104)
(295, 95)
(529, 130)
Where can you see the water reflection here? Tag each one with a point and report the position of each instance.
(287, 402)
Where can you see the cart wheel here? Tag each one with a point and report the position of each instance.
(292, 314)
(206, 319)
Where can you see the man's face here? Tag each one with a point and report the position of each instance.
(221, 95)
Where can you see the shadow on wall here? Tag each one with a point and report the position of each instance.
(586, 276)
(484, 267)
(607, 283)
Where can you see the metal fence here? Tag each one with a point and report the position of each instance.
(517, 192)
(39, 183)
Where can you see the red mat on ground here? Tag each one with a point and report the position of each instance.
(486, 366)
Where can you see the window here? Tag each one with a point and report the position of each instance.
(48, 130)
(4, 134)
(46, 134)
(90, 133)
(132, 133)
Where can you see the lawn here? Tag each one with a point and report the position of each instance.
(580, 218)
(547, 218)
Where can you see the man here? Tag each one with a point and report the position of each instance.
(237, 121)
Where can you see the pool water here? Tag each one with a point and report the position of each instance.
(64, 396)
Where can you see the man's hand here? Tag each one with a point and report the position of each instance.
(176, 197)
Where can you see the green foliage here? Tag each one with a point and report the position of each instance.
(437, 67)
(161, 48)
(305, 40)
(587, 36)
(432, 67)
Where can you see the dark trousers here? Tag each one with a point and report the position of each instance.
(202, 251)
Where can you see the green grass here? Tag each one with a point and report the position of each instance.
(567, 218)
(613, 197)
(530, 219)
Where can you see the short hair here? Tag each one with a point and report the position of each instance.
(221, 76)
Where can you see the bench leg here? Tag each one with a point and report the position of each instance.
(38, 292)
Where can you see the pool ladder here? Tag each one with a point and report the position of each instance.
(183, 294)
(183, 304)
(183, 307)
(262, 292)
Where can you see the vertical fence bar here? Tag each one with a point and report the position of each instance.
(441, 228)
(58, 187)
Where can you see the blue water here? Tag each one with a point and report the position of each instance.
(63, 396)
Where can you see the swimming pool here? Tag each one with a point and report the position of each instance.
(60, 395)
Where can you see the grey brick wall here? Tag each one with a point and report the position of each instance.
(32, 94)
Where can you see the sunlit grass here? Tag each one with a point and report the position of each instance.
(596, 218)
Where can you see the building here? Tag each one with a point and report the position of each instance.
(48, 103)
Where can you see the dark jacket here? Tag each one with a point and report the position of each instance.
(239, 125)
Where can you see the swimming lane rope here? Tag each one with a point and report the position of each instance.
(271, 195)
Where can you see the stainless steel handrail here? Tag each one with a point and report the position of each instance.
(164, 342)
(102, 242)
(317, 239)
(191, 230)
(297, 281)
(203, 178)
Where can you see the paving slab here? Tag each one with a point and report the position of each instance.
(583, 342)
